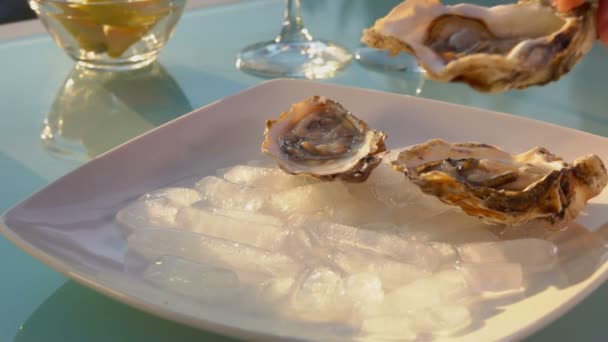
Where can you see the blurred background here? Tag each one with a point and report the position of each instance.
(14, 10)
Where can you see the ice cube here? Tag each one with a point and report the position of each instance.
(319, 297)
(192, 279)
(444, 287)
(397, 195)
(392, 273)
(475, 234)
(410, 233)
(451, 226)
(442, 320)
(226, 195)
(386, 186)
(156, 209)
(364, 288)
(414, 296)
(365, 291)
(247, 216)
(384, 174)
(451, 284)
(338, 235)
(432, 206)
(300, 246)
(354, 213)
(330, 201)
(532, 254)
(268, 178)
(273, 290)
(420, 210)
(448, 255)
(454, 226)
(265, 232)
(154, 243)
(494, 277)
(179, 197)
(382, 227)
(389, 328)
(149, 213)
(311, 198)
(528, 230)
(361, 191)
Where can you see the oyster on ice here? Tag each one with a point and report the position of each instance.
(492, 49)
(499, 187)
(320, 138)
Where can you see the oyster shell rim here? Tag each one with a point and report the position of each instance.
(357, 170)
(494, 73)
(560, 181)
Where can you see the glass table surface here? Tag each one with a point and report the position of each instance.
(81, 115)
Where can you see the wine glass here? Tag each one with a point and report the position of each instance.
(294, 52)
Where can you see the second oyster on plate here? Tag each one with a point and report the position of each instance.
(500, 187)
(320, 138)
(492, 49)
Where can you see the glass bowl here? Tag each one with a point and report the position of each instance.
(110, 34)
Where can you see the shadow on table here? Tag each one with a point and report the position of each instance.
(95, 111)
(75, 313)
(22, 181)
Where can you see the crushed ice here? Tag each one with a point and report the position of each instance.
(379, 256)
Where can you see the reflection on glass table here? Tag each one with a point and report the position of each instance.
(371, 58)
(294, 53)
(381, 60)
(97, 110)
(68, 315)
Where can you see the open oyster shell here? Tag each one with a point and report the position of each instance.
(319, 138)
(492, 49)
(502, 188)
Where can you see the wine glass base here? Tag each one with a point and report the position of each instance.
(380, 60)
(316, 59)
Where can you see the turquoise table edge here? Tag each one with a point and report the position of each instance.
(40, 305)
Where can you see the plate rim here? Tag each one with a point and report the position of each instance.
(231, 330)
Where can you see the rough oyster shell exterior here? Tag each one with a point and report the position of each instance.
(523, 44)
(498, 187)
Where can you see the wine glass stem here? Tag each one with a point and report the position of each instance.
(293, 29)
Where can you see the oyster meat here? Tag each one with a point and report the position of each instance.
(499, 187)
(492, 49)
(320, 138)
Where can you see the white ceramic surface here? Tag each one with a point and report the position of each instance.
(70, 226)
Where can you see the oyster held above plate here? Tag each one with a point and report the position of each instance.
(499, 187)
(320, 138)
(492, 49)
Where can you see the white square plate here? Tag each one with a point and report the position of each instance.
(70, 225)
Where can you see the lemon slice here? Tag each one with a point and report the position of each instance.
(88, 34)
(140, 13)
(101, 26)
(120, 38)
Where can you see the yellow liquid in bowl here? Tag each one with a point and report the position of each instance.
(101, 30)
